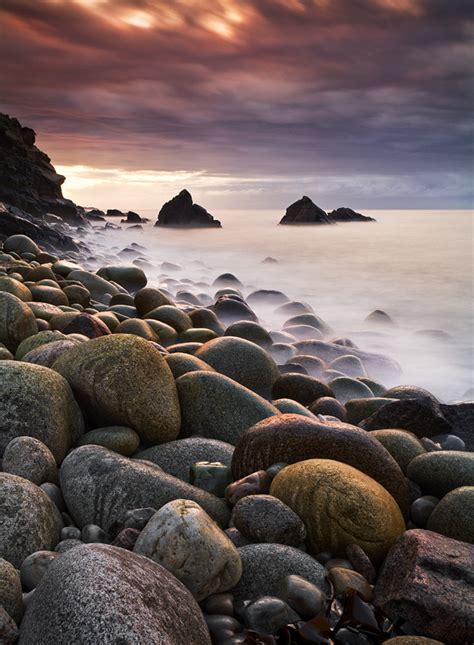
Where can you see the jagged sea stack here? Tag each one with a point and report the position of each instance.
(180, 212)
(346, 214)
(305, 211)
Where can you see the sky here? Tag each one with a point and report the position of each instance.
(247, 103)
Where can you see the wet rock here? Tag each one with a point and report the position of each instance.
(343, 579)
(89, 477)
(265, 565)
(422, 417)
(329, 406)
(37, 402)
(229, 310)
(379, 317)
(267, 614)
(251, 331)
(202, 393)
(185, 540)
(421, 509)
(131, 277)
(87, 325)
(35, 566)
(99, 288)
(16, 288)
(111, 595)
(257, 483)
(288, 406)
(293, 438)
(327, 495)
(139, 394)
(307, 599)
(427, 580)
(29, 521)
(345, 389)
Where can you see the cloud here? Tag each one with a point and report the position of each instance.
(284, 88)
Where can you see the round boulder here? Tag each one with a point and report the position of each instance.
(17, 321)
(183, 538)
(29, 521)
(340, 506)
(29, 458)
(453, 516)
(111, 595)
(37, 402)
(115, 390)
(442, 471)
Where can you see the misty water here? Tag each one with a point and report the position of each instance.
(415, 265)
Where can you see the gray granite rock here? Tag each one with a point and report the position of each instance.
(29, 521)
(10, 590)
(263, 518)
(29, 458)
(177, 457)
(99, 486)
(265, 565)
(110, 596)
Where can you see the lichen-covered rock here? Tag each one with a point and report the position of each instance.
(110, 595)
(115, 390)
(290, 438)
(99, 486)
(37, 402)
(185, 540)
(426, 580)
(29, 521)
(340, 506)
(17, 321)
(215, 406)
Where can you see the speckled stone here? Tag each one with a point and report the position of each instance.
(111, 595)
(439, 472)
(29, 458)
(10, 590)
(453, 516)
(264, 565)
(263, 518)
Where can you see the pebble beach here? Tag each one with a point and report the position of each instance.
(174, 470)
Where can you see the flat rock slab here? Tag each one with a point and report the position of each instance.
(427, 579)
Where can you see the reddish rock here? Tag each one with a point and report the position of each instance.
(126, 539)
(257, 483)
(427, 580)
(361, 562)
(88, 325)
(8, 628)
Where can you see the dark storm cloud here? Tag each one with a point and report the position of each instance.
(286, 87)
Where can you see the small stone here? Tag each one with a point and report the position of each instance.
(236, 537)
(449, 442)
(340, 563)
(422, 508)
(343, 579)
(305, 598)
(222, 628)
(8, 628)
(361, 562)
(67, 545)
(126, 539)
(214, 477)
(274, 469)
(257, 483)
(219, 603)
(137, 518)
(93, 533)
(70, 533)
(267, 614)
(120, 439)
(34, 567)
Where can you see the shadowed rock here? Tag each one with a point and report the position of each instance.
(345, 214)
(305, 211)
(180, 212)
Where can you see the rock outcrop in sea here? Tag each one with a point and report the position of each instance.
(305, 211)
(181, 212)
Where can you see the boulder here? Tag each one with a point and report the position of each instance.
(114, 390)
(177, 457)
(340, 506)
(291, 438)
(17, 321)
(111, 595)
(305, 211)
(263, 518)
(100, 289)
(181, 363)
(29, 458)
(427, 580)
(38, 402)
(442, 471)
(180, 212)
(184, 539)
(215, 406)
(99, 486)
(241, 360)
(345, 214)
(422, 417)
(300, 387)
(453, 516)
(29, 521)
(265, 565)
(131, 277)
(401, 444)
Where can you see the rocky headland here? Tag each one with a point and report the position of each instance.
(176, 469)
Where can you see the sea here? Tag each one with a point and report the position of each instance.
(417, 266)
